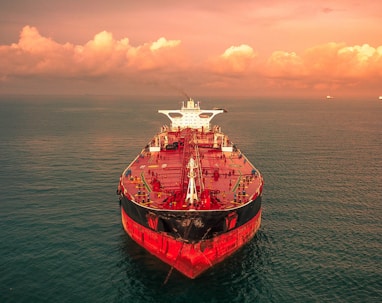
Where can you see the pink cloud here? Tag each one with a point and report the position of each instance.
(284, 64)
(323, 65)
(165, 62)
(101, 56)
(234, 60)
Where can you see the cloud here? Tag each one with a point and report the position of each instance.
(102, 56)
(328, 63)
(327, 10)
(165, 62)
(234, 60)
(364, 61)
(283, 64)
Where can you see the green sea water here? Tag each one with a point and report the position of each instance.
(61, 238)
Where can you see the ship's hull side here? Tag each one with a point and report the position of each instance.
(191, 226)
(182, 249)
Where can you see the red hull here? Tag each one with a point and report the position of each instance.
(191, 259)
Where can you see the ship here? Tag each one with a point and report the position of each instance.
(191, 197)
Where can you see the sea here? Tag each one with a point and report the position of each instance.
(61, 237)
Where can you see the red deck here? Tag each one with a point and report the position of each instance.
(159, 178)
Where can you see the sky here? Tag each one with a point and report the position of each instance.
(283, 48)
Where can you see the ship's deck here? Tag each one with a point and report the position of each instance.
(159, 178)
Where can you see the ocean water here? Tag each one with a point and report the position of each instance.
(61, 239)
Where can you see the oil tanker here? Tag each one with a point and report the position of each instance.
(191, 197)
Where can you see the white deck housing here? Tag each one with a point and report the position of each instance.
(191, 116)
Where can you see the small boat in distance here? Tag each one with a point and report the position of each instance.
(380, 98)
(329, 97)
(191, 197)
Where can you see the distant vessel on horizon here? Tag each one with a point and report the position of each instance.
(329, 97)
(380, 98)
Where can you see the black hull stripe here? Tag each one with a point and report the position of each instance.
(191, 226)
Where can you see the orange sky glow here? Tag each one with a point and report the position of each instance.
(234, 48)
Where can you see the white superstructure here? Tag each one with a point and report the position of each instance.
(191, 116)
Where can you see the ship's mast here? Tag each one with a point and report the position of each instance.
(190, 119)
(191, 190)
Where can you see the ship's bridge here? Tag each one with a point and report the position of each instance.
(190, 116)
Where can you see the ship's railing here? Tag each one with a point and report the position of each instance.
(186, 153)
(199, 168)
